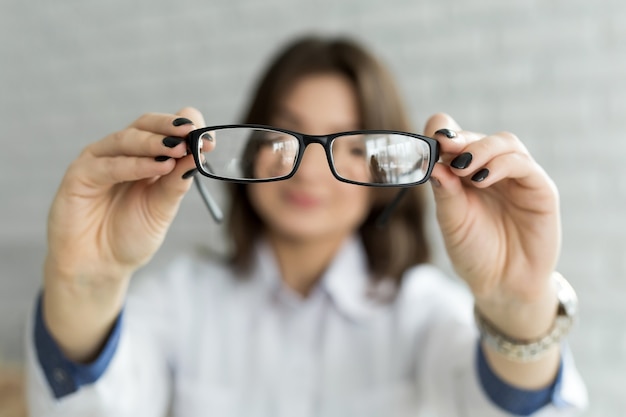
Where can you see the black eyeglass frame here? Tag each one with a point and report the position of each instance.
(326, 141)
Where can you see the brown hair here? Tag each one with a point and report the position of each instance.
(402, 242)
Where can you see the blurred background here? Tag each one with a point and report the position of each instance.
(551, 71)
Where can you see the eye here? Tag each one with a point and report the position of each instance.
(357, 151)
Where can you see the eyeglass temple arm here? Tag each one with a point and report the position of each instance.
(383, 218)
(209, 202)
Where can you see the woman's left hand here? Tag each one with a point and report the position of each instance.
(498, 212)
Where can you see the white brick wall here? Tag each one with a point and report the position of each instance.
(552, 71)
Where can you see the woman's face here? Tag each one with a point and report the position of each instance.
(313, 205)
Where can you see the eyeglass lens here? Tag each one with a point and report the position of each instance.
(254, 153)
(381, 158)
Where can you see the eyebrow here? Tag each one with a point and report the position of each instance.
(283, 112)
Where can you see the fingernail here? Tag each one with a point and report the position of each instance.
(182, 121)
(189, 173)
(480, 175)
(161, 158)
(462, 161)
(171, 141)
(435, 182)
(450, 134)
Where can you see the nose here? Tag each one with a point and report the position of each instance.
(314, 164)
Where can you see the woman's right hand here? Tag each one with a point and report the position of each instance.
(110, 215)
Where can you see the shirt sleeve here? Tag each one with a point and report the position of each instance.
(514, 400)
(63, 375)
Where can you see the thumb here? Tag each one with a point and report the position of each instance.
(447, 189)
(450, 197)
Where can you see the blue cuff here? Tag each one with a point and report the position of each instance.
(515, 400)
(63, 375)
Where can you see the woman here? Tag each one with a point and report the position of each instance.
(319, 311)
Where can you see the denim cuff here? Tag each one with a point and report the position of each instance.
(63, 375)
(516, 401)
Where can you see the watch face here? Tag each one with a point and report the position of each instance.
(568, 301)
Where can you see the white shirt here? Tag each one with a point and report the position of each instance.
(198, 341)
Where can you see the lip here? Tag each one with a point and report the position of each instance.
(302, 199)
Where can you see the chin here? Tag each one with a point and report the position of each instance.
(307, 231)
(300, 234)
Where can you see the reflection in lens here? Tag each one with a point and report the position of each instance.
(394, 159)
(276, 156)
(249, 153)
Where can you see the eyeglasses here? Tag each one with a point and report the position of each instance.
(256, 153)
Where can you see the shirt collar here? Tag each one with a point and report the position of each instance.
(346, 280)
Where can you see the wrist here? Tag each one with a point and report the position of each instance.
(79, 276)
(518, 336)
(80, 302)
(79, 312)
(524, 318)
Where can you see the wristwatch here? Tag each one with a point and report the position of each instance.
(531, 350)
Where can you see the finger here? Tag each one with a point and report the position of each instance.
(106, 171)
(499, 157)
(135, 142)
(476, 154)
(192, 114)
(438, 122)
(517, 166)
(472, 161)
(170, 189)
(510, 165)
(166, 124)
(153, 134)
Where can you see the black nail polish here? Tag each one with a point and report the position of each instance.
(189, 173)
(161, 158)
(462, 161)
(450, 134)
(480, 175)
(171, 141)
(182, 121)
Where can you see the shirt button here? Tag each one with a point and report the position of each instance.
(59, 375)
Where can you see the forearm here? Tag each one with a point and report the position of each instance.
(527, 320)
(79, 311)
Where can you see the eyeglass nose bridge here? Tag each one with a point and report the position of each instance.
(325, 141)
